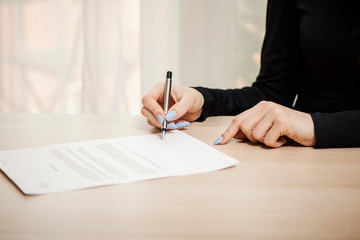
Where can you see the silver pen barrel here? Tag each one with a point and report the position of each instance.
(167, 95)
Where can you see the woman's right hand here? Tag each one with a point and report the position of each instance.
(185, 106)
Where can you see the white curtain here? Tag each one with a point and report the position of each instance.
(101, 56)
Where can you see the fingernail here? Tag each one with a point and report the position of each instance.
(182, 124)
(171, 126)
(171, 115)
(217, 141)
(159, 118)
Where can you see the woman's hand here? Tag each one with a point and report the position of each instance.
(186, 106)
(270, 124)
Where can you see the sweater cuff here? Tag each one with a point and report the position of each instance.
(320, 130)
(208, 98)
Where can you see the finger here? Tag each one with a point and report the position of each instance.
(246, 128)
(246, 122)
(182, 124)
(150, 117)
(262, 128)
(274, 137)
(253, 117)
(187, 103)
(231, 131)
(171, 126)
(152, 99)
(240, 135)
(151, 123)
(178, 110)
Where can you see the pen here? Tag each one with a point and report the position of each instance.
(167, 94)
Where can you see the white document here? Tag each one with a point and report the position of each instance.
(71, 166)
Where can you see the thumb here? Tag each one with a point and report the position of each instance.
(188, 104)
(185, 100)
(177, 110)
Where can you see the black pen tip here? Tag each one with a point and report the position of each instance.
(168, 74)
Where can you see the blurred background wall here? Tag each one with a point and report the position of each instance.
(102, 56)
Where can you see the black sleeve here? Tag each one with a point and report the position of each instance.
(279, 67)
(340, 129)
(228, 102)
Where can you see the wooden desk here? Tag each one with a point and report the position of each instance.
(284, 194)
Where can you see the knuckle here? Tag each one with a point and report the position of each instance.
(236, 121)
(183, 107)
(257, 135)
(265, 104)
(226, 133)
(282, 122)
(145, 99)
(150, 123)
(245, 127)
(143, 111)
(276, 111)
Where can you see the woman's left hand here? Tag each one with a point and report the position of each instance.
(270, 124)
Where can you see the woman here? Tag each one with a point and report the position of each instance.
(311, 53)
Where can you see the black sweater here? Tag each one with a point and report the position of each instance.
(311, 49)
